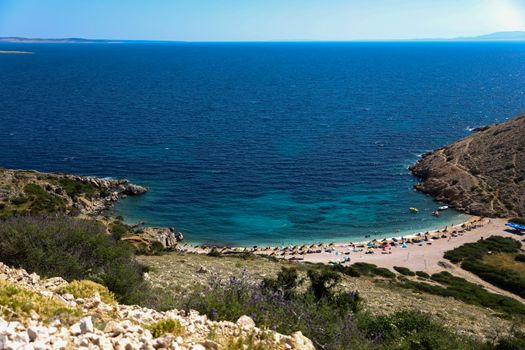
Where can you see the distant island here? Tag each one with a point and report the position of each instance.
(498, 36)
(15, 39)
(15, 53)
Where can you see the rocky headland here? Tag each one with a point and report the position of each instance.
(482, 174)
(32, 192)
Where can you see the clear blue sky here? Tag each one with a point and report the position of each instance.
(255, 20)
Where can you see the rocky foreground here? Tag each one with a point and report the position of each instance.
(51, 313)
(483, 174)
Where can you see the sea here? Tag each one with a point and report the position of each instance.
(257, 143)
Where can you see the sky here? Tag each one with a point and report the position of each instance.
(259, 20)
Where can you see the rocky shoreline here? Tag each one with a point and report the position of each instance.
(482, 174)
(29, 191)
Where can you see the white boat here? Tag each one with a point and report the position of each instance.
(445, 207)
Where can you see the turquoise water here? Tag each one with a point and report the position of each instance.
(263, 143)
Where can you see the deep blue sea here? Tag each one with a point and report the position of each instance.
(252, 143)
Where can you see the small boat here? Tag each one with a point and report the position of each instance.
(444, 207)
(436, 213)
(414, 210)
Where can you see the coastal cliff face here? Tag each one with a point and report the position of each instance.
(483, 174)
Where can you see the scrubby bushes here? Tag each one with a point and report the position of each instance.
(75, 188)
(477, 250)
(422, 274)
(73, 249)
(118, 229)
(471, 256)
(519, 221)
(332, 319)
(41, 201)
(520, 258)
(467, 292)
(404, 271)
(412, 330)
(365, 269)
(162, 327)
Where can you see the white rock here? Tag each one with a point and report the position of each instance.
(13, 345)
(86, 325)
(40, 333)
(245, 322)
(3, 340)
(40, 345)
(198, 347)
(59, 344)
(303, 342)
(68, 297)
(75, 329)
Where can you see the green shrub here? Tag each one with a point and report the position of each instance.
(19, 200)
(507, 279)
(365, 269)
(520, 257)
(471, 256)
(286, 282)
(412, 330)
(75, 188)
(118, 229)
(515, 341)
(165, 326)
(470, 293)
(404, 271)
(321, 282)
(478, 249)
(73, 249)
(43, 202)
(422, 274)
(519, 221)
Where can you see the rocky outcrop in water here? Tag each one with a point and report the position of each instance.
(482, 174)
(134, 190)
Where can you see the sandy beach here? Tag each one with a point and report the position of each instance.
(418, 253)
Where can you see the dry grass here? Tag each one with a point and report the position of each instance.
(18, 302)
(505, 261)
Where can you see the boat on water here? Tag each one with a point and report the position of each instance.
(414, 210)
(436, 213)
(444, 207)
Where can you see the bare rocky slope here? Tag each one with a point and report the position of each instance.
(482, 174)
(51, 313)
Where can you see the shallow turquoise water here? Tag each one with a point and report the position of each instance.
(257, 143)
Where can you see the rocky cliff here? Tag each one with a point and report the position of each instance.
(482, 174)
